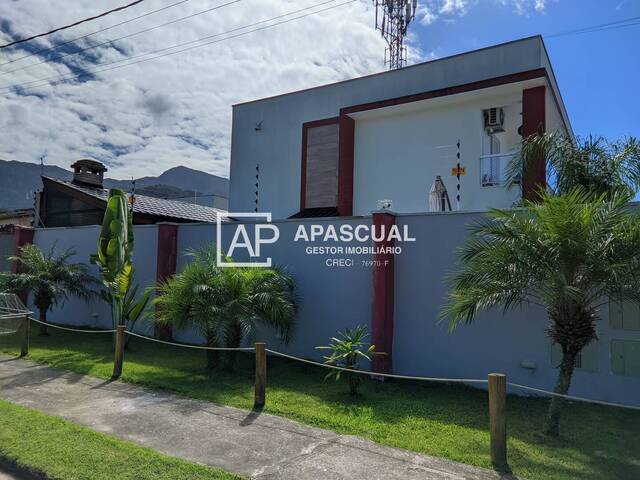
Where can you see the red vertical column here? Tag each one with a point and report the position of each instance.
(346, 145)
(166, 264)
(383, 295)
(22, 236)
(534, 122)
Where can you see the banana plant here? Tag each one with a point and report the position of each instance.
(115, 244)
(115, 248)
(126, 307)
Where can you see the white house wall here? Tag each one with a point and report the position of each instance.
(398, 156)
(269, 131)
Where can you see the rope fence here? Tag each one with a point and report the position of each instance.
(198, 347)
(496, 382)
(450, 380)
(345, 369)
(68, 329)
(572, 397)
(376, 374)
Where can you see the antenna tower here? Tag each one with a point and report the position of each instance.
(392, 19)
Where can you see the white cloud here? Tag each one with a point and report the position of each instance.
(524, 7)
(430, 11)
(457, 7)
(425, 14)
(176, 110)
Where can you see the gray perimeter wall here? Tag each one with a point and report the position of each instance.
(84, 240)
(332, 298)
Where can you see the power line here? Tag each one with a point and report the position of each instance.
(596, 28)
(84, 20)
(26, 67)
(48, 49)
(70, 76)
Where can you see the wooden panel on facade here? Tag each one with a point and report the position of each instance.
(322, 167)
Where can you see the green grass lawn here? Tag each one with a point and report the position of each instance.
(61, 449)
(445, 421)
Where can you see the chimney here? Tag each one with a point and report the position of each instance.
(88, 173)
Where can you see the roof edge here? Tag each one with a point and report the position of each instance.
(553, 83)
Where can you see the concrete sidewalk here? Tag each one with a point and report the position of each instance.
(257, 445)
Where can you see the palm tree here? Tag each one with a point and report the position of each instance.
(226, 304)
(570, 254)
(594, 164)
(49, 277)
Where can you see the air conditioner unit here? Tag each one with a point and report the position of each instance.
(494, 120)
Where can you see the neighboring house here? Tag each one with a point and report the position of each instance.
(339, 149)
(10, 218)
(83, 201)
(209, 200)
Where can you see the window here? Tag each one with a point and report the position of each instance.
(624, 316)
(625, 357)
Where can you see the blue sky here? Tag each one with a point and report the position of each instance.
(598, 73)
(144, 118)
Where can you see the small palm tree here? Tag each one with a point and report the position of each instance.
(593, 164)
(225, 304)
(346, 351)
(49, 277)
(571, 254)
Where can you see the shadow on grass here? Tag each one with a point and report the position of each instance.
(10, 467)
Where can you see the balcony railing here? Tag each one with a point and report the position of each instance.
(493, 168)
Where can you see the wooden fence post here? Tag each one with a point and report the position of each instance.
(261, 375)
(26, 326)
(497, 419)
(117, 361)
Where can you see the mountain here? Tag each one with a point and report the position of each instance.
(189, 179)
(19, 180)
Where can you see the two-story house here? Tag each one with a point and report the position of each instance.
(340, 149)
